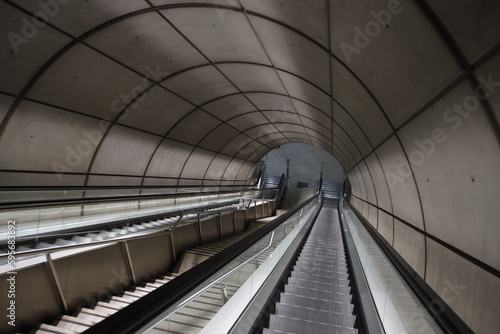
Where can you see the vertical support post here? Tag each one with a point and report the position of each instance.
(128, 259)
(200, 236)
(172, 247)
(57, 284)
(219, 220)
(233, 215)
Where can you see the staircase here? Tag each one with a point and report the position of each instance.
(331, 190)
(317, 298)
(271, 181)
(87, 317)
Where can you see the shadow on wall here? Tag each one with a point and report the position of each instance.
(304, 172)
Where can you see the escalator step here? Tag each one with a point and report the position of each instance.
(72, 326)
(320, 294)
(290, 325)
(316, 277)
(44, 328)
(326, 286)
(338, 319)
(315, 303)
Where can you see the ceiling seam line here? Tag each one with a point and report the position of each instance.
(202, 54)
(273, 66)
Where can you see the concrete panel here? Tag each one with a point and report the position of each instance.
(368, 182)
(81, 73)
(344, 120)
(236, 144)
(248, 120)
(77, 17)
(227, 225)
(200, 85)
(300, 89)
(317, 137)
(226, 38)
(92, 275)
(261, 130)
(240, 220)
(289, 127)
(249, 78)
(471, 292)
(232, 169)
(194, 127)
(353, 177)
(410, 244)
(298, 14)
(52, 140)
(209, 229)
(321, 116)
(5, 104)
(218, 137)
(404, 194)
(12, 179)
(402, 78)
(159, 105)
(271, 102)
(197, 164)
(355, 99)
(169, 159)
(101, 180)
(150, 256)
(36, 298)
(372, 215)
(489, 75)
(482, 15)
(217, 167)
(386, 226)
(230, 106)
(384, 200)
(25, 49)
(253, 152)
(292, 52)
(361, 183)
(193, 183)
(167, 51)
(245, 170)
(148, 181)
(220, 11)
(456, 157)
(185, 237)
(346, 144)
(125, 151)
(319, 130)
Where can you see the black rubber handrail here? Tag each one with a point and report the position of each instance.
(139, 313)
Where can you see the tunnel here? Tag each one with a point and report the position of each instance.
(404, 94)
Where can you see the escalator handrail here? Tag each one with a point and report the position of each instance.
(223, 277)
(139, 313)
(369, 320)
(153, 231)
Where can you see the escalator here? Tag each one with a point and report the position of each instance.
(317, 297)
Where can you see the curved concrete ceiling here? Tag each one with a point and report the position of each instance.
(405, 94)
